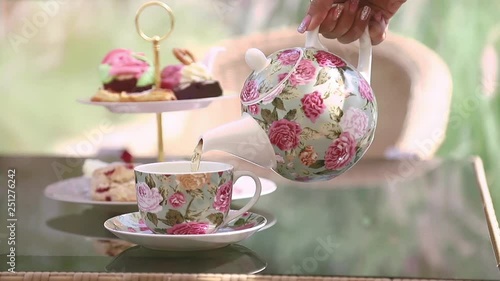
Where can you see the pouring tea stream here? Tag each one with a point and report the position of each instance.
(307, 113)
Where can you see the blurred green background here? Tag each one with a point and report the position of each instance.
(48, 61)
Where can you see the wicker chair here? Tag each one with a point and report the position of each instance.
(412, 84)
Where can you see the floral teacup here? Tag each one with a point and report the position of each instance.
(174, 200)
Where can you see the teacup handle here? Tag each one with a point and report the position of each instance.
(365, 50)
(253, 201)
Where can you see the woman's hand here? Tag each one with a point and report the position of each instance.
(346, 20)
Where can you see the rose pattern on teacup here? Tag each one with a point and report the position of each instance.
(323, 98)
(148, 199)
(177, 199)
(184, 204)
(193, 182)
(189, 228)
(223, 197)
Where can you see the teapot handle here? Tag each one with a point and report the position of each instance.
(365, 50)
(312, 40)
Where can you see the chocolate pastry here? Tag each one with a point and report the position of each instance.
(198, 90)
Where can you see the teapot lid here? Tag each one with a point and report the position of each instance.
(269, 74)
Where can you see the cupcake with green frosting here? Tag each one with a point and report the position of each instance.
(125, 71)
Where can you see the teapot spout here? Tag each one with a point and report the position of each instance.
(243, 138)
(365, 55)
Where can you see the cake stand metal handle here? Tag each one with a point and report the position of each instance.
(156, 39)
(170, 14)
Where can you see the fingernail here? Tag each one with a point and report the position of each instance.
(304, 24)
(378, 16)
(338, 11)
(365, 13)
(354, 6)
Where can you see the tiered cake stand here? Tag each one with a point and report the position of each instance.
(157, 107)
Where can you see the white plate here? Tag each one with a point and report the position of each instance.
(244, 188)
(156, 106)
(77, 190)
(128, 227)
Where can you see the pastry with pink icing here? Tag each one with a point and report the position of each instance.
(171, 76)
(189, 80)
(128, 76)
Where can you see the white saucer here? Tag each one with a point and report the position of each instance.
(77, 190)
(156, 106)
(270, 218)
(129, 228)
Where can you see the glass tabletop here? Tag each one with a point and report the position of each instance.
(381, 219)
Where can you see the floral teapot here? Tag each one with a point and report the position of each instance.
(307, 113)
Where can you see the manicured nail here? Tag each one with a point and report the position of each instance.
(338, 11)
(304, 24)
(353, 7)
(365, 13)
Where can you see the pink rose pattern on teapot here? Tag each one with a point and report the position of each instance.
(323, 98)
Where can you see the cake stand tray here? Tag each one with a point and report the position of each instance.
(156, 106)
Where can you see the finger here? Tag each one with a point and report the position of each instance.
(378, 29)
(358, 27)
(345, 21)
(330, 21)
(318, 10)
(395, 5)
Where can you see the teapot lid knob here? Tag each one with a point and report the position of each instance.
(256, 59)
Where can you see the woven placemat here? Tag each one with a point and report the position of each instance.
(76, 276)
